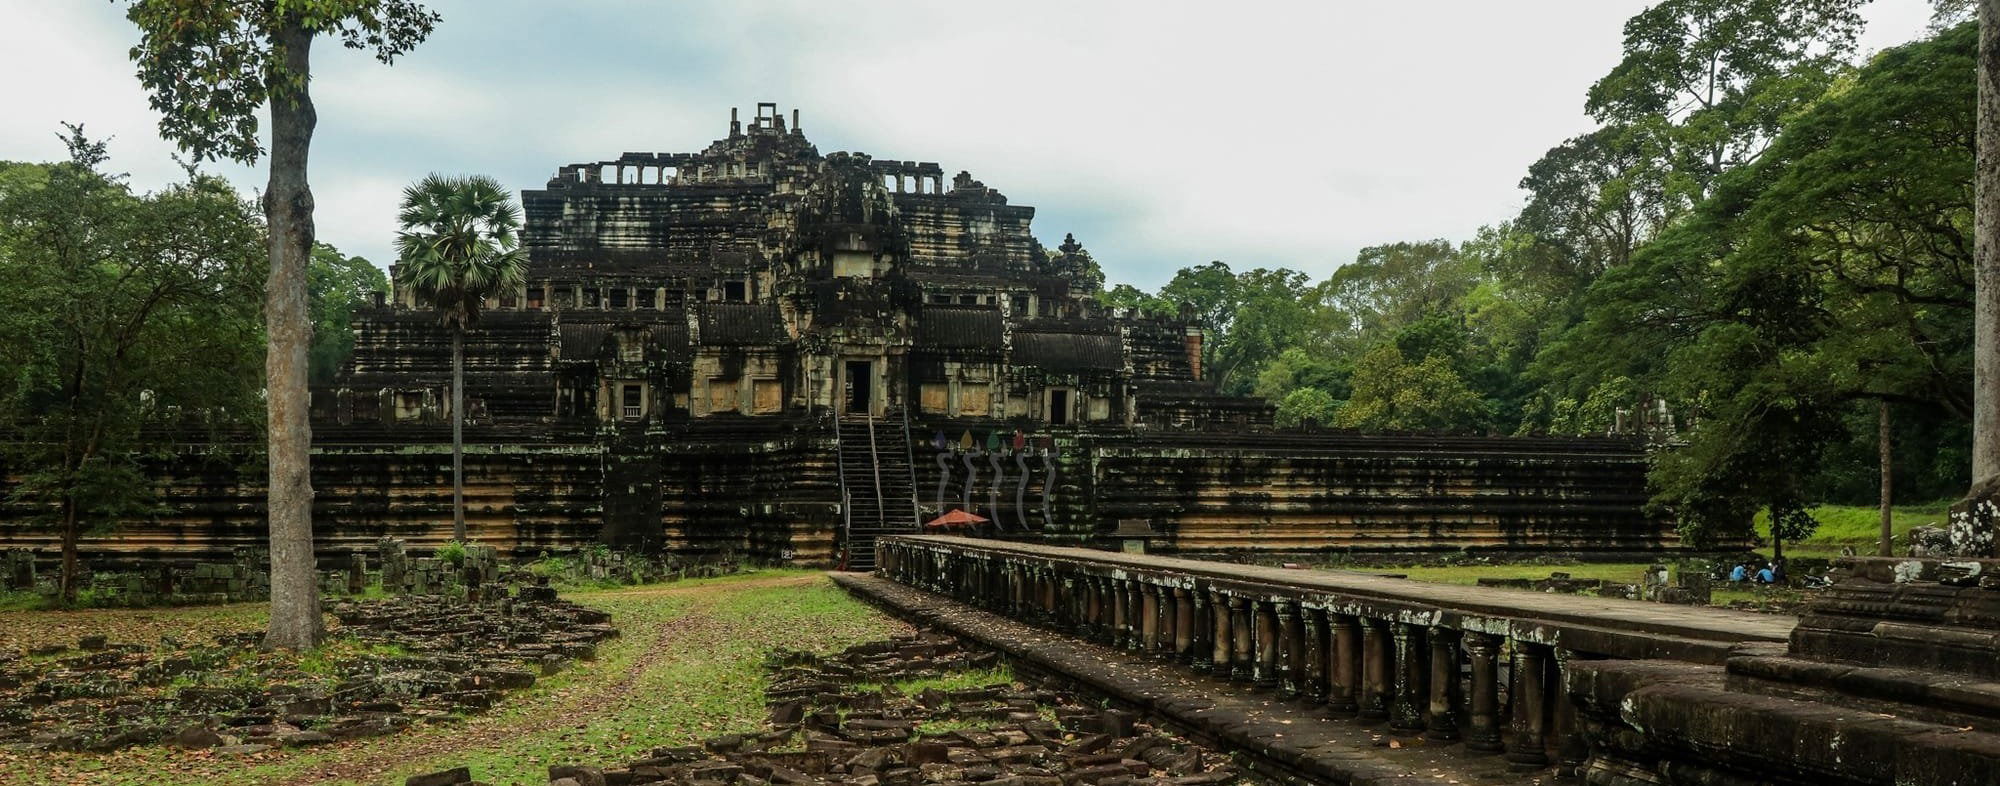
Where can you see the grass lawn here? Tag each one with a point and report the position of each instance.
(689, 664)
(1856, 527)
(1841, 526)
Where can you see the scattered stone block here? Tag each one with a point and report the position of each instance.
(456, 776)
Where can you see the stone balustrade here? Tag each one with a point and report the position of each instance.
(1451, 663)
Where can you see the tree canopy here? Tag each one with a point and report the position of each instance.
(131, 329)
(1765, 237)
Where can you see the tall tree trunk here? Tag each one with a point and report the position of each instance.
(66, 581)
(458, 433)
(288, 210)
(1887, 548)
(1986, 255)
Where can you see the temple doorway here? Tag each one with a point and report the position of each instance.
(860, 388)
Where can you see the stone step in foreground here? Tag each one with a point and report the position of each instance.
(1291, 740)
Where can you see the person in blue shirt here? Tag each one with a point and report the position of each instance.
(1765, 576)
(1738, 574)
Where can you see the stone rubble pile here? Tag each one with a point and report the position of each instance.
(413, 659)
(245, 577)
(841, 720)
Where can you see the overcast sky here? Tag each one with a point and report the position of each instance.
(1162, 134)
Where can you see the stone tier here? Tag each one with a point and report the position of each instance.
(1889, 679)
(1922, 614)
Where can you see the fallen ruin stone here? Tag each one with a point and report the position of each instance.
(438, 658)
(825, 728)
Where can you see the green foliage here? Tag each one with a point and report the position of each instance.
(208, 66)
(1834, 269)
(1306, 405)
(1297, 368)
(1390, 286)
(130, 325)
(459, 243)
(1135, 300)
(337, 284)
(1271, 315)
(1707, 83)
(452, 552)
(1393, 394)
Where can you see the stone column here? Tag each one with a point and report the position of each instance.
(1109, 611)
(1572, 750)
(1222, 639)
(1412, 674)
(1184, 630)
(1087, 600)
(1011, 591)
(1120, 615)
(1343, 688)
(1312, 685)
(1055, 605)
(1107, 605)
(1266, 674)
(1135, 615)
(1375, 663)
(1149, 618)
(1527, 718)
(1163, 620)
(1483, 727)
(1291, 649)
(1076, 604)
(1201, 633)
(1240, 660)
(1442, 724)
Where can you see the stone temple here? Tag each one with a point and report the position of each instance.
(762, 350)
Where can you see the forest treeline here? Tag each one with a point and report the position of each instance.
(131, 330)
(1767, 232)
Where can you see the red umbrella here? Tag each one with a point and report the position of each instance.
(957, 519)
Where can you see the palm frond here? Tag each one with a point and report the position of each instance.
(459, 243)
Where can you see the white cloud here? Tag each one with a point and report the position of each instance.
(1164, 134)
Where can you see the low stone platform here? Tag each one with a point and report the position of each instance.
(1289, 740)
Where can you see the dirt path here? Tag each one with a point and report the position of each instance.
(368, 762)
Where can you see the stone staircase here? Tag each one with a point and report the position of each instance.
(877, 483)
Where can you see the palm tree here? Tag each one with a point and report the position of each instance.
(457, 247)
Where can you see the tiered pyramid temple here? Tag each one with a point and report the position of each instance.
(764, 350)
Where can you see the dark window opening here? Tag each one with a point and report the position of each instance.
(646, 299)
(1058, 407)
(942, 300)
(535, 298)
(968, 300)
(507, 299)
(734, 291)
(1020, 305)
(618, 298)
(633, 402)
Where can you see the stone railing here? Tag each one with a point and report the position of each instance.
(1450, 662)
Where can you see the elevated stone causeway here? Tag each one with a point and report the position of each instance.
(1443, 663)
